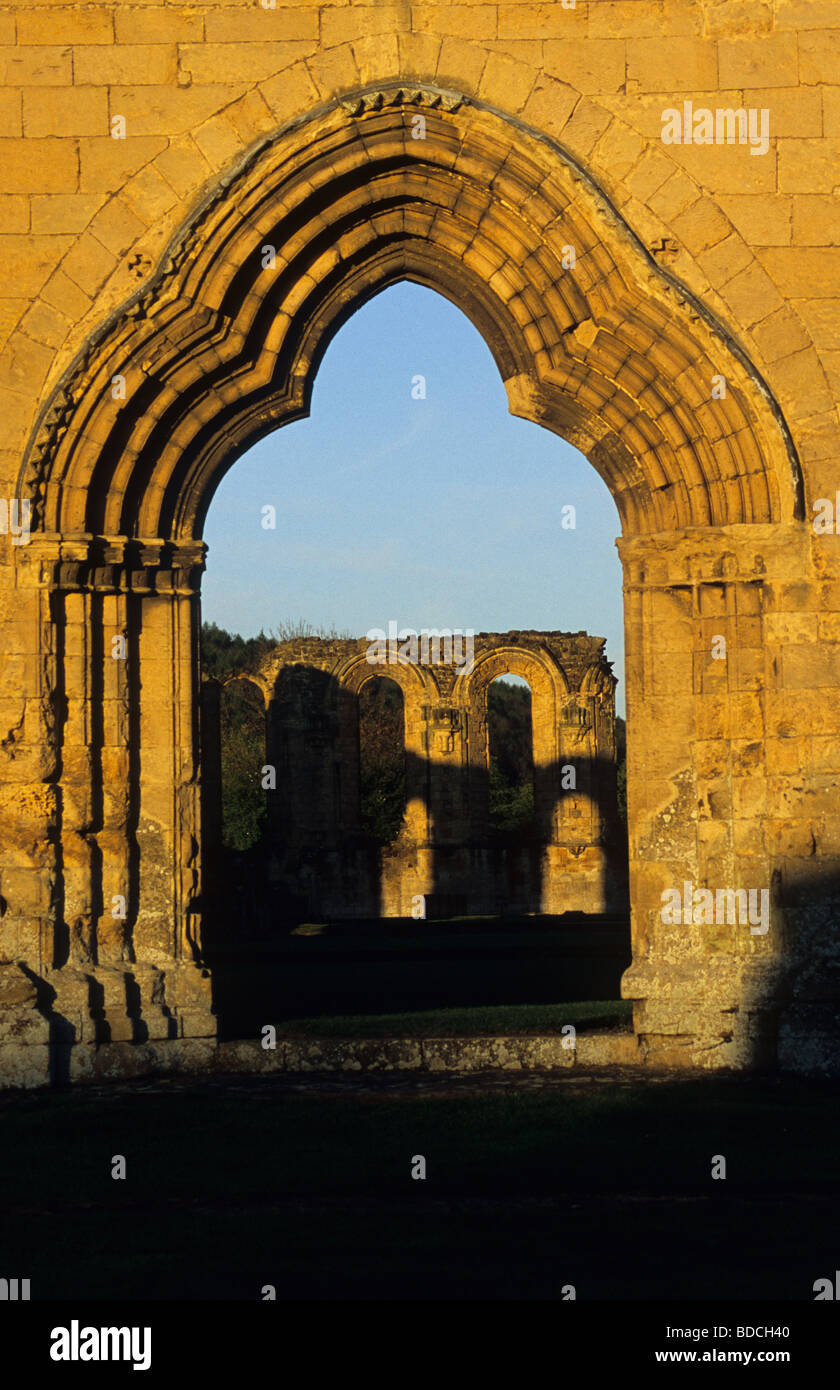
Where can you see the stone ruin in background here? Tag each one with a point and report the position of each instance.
(445, 861)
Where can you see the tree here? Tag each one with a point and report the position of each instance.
(381, 759)
(511, 758)
(227, 654)
(242, 720)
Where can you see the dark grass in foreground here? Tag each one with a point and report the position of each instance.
(505, 1019)
(230, 1187)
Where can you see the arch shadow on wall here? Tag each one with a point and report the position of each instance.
(316, 863)
(308, 755)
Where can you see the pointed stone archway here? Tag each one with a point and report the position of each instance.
(595, 341)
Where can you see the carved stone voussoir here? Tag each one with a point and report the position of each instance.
(376, 99)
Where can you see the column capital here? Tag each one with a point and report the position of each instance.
(113, 564)
(702, 555)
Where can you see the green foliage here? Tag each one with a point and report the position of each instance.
(382, 802)
(243, 800)
(511, 758)
(509, 727)
(381, 759)
(242, 720)
(224, 654)
(511, 806)
(227, 654)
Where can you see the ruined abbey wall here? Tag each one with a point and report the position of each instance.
(444, 860)
(149, 153)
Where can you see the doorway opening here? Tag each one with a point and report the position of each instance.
(389, 825)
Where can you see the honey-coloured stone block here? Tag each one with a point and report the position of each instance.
(695, 265)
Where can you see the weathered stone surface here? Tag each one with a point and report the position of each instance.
(488, 1054)
(695, 264)
(573, 859)
(607, 1050)
(25, 1066)
(453, 1054)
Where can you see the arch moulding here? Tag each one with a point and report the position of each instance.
(593, 340)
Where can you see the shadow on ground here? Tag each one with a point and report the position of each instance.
(402, 966)
(533, 1182)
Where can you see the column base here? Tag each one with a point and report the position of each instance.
(103, 1022)
(723, 1013)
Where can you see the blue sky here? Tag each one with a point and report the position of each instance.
(443, 512)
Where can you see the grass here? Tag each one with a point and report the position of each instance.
(505, 1019)
(608, 1188)
(361, 971)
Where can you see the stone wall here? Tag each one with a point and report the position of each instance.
(444, 860)
(148, 155)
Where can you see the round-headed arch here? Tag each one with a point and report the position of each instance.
(417, 683)
(252, 678)
(547, 682)
(593, 339)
